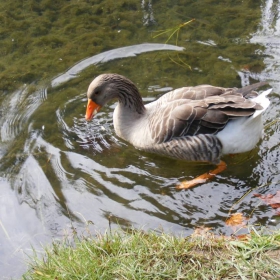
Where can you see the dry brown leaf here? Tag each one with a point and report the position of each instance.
(206, 233)
(243, 237)
(236, 221)
(271, 199)
(201, 232)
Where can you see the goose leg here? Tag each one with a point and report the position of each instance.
(204, 177)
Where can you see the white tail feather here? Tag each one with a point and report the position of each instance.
(263, 101)
(241, 135)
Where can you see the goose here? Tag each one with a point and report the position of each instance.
(200, 123)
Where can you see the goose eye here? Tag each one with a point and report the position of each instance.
(97, 92)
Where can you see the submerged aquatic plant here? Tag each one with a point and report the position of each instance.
(172, 31)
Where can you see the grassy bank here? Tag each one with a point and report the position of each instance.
(140, 255)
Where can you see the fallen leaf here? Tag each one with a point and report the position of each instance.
(201, 231)
(236, 221)
(206, 234)
(243, 237)
(271, 199)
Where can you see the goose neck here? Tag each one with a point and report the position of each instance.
(130, 98)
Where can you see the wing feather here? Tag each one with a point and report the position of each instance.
(199, 110)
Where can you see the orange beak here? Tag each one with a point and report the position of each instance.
(92, 109)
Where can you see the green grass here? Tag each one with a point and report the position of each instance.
(140, 255)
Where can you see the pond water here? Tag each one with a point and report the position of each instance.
(59, 172)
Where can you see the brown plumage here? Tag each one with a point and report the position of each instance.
(202, 109)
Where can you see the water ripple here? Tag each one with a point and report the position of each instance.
(268, 35)
(123, 52)
(16, 110)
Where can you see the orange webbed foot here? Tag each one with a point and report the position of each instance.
(203, 178)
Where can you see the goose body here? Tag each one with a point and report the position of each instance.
(199, 123)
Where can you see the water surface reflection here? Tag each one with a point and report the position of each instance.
(58, 171)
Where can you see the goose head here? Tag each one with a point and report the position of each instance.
(106, 87)
(101, 90)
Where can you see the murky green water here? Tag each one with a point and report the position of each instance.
(57, 171)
